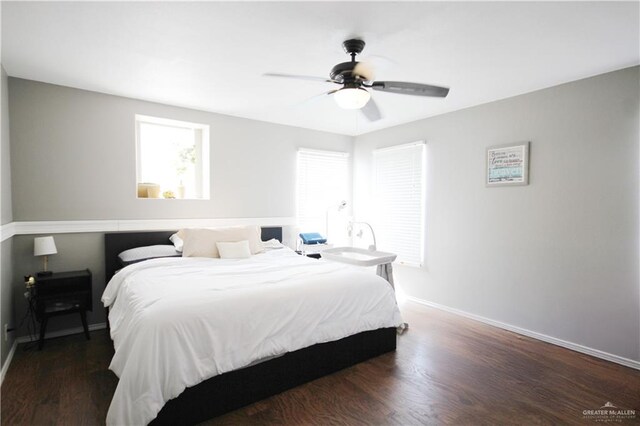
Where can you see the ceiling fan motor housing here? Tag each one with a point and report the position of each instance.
(343, 72)
(354, 46)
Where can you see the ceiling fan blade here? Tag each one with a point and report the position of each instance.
(371, 111)
(371, 65)
(364, 70)
(312, 100)
(299, 77)
(404, 88)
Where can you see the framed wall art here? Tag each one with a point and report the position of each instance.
(508, 164)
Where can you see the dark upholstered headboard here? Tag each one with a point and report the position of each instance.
(117, 242)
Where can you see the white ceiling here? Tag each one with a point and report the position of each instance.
(210, 56)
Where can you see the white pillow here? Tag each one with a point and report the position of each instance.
(178, 243)
(202, 242)
(255, 238)
(272, 244)
(237, 250)
(138, 254)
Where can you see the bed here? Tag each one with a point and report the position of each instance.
(246, 382)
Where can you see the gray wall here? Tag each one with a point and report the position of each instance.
(74, 151)
(6, 216)
(73, 157)
(7, 315)
(75, 252)
(559, 256)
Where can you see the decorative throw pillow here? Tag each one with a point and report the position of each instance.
(199, 243)
(237, 250)
(202, 242)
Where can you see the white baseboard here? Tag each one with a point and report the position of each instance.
(539, 336)
(65, 332)
(7, 362)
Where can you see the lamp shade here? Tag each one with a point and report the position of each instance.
(44, 246)
(351, 97)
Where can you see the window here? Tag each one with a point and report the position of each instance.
(322, 183)
(398, 190)
(172, 158)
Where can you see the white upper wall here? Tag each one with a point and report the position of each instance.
(559, 256)
(73, 158)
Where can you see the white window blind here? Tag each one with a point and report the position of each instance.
(398, 193)
(322, 182)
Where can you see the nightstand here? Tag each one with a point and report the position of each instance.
(63, 293)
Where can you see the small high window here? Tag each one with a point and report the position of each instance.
(172, 158)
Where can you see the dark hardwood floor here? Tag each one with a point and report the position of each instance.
(446, 370)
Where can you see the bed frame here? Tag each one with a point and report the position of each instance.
(229, 391)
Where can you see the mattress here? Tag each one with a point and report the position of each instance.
(176, 322)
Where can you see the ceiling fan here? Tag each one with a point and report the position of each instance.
(356, 77)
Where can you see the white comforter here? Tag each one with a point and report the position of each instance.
(178, 321)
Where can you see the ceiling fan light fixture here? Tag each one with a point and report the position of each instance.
(351, 97)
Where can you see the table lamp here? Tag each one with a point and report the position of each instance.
(44, 246)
